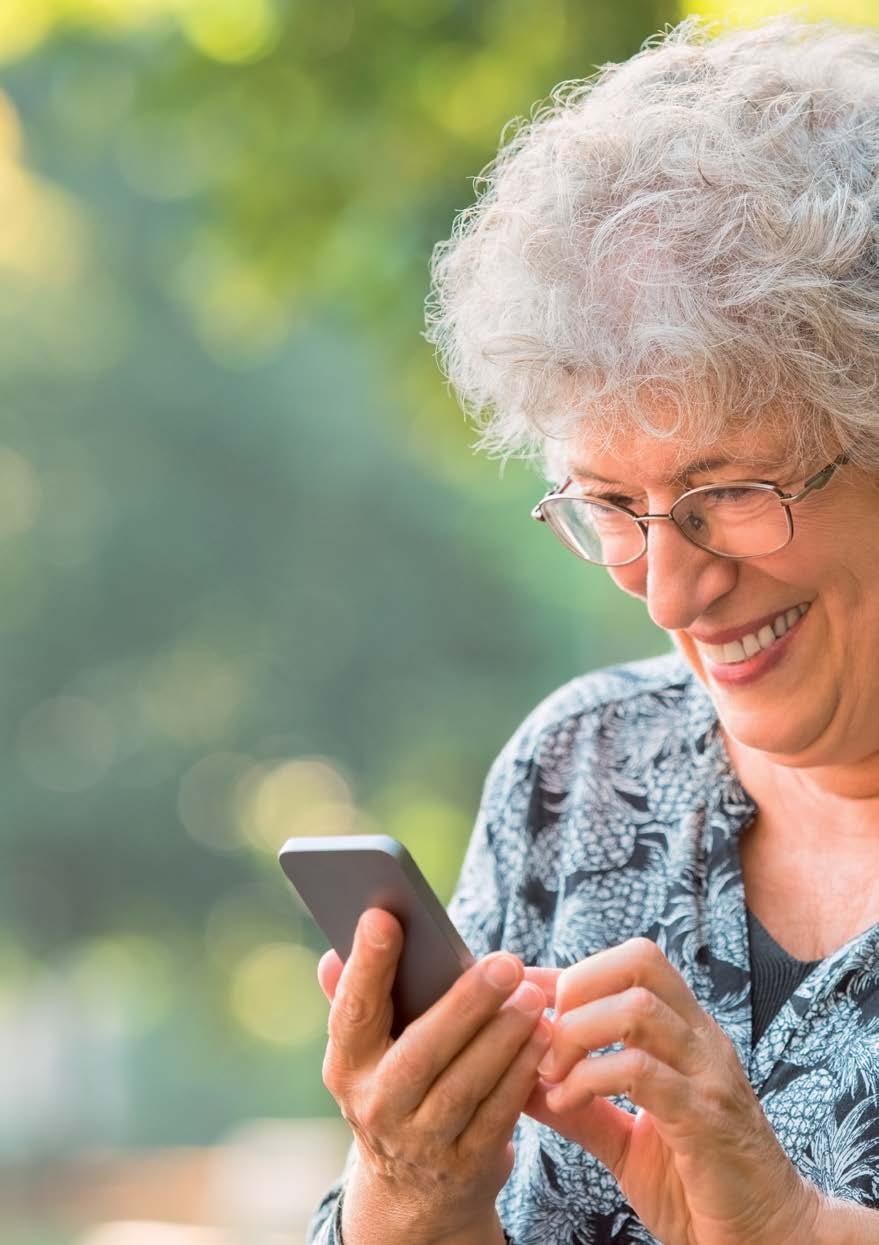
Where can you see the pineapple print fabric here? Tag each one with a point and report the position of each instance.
(613, 813)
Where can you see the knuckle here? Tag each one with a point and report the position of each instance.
(639, 1066)
(704, 1055)
(699, 1060)
(409, 1064)
(336, 1026)
(492, 1121)
(718, 1106)
(477, 998)
(724, 1095)
(641, 1006)
(566, 987)
(446, 1100)
(712, 1049)
(715, 1098)
(723, 1042)
(350, 1009)
(645, 951)
(566, 1026)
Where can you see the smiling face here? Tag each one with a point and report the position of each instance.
(785, 644)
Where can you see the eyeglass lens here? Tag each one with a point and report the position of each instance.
(739, 522)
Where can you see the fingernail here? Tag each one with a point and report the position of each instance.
(527, 999)
(545, 1067)
(543, 1033)
(502, 972)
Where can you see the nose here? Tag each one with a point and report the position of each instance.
(678, 580)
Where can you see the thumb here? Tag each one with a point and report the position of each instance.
(595, 1124)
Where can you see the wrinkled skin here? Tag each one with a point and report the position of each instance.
(699, 1163)
(434, 1111)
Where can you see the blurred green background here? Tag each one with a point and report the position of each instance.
(255, 582)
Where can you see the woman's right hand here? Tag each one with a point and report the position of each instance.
(432, 1112)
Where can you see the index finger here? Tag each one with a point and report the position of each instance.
(636, 962)
(545, 979)
(429, 1044)
(361, 1011)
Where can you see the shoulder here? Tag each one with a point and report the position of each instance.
(617, 701)
(613, 763)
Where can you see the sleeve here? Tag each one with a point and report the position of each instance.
(478, 905)
(325, 1227)
(477, 909)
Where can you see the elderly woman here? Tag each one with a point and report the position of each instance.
(668, 288)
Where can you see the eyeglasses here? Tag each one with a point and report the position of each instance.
(736, 519)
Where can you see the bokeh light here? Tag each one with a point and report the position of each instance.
(231, 31)
(746, 12)
(42, 235)
(308, 796)
(274, 994)
(23, 25)
(237, 313)
(247, 917)
(209, 798)
(128, 979)
(429, 827)
(190, 694)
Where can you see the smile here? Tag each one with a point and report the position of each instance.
(754, 642)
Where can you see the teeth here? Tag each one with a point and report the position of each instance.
(752, 643)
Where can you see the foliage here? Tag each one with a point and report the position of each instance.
(254, 581)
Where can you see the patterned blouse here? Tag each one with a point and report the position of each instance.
(612, 813)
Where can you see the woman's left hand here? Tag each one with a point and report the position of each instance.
(699, 1163)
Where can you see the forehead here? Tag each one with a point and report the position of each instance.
(650, 461)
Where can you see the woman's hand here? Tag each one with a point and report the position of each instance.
(699, 1163)
(433, 1112)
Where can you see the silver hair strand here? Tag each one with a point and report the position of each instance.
(695, 230)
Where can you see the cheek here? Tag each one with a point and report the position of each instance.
(632, 579)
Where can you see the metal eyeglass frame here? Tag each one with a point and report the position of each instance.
(817, 481)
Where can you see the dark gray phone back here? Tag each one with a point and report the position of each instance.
(339, 877)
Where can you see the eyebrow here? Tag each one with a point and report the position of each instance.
(694, 468)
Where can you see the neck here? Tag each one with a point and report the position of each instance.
(808, 857)
(828, 808)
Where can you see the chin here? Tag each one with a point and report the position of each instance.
(799, 742)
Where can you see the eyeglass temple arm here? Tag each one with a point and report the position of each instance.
(818, 480)
(537, 512)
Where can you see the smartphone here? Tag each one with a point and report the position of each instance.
(339, 877)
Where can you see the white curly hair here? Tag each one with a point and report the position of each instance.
(695, 230)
